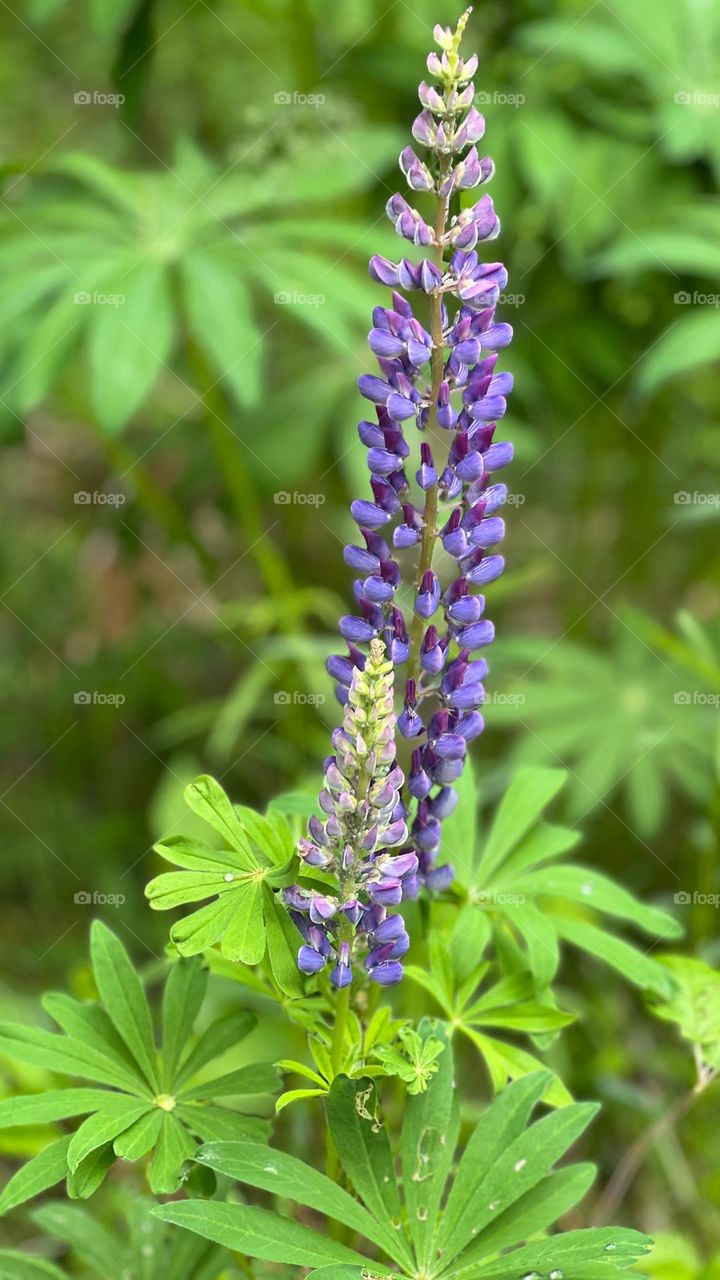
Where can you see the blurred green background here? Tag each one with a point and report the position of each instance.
(190, 195)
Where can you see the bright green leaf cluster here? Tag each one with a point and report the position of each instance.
(487, 1219)
(149, 1100)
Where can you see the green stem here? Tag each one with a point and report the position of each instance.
(337, 1049)
(430, 511)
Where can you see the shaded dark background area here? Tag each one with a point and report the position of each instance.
(190, 195)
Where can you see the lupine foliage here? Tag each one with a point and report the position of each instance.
(353, 889)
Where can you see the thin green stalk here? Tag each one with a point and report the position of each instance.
(430, 511)
(342, 1010)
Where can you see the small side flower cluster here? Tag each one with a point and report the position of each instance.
(442, 379)
(365, 823)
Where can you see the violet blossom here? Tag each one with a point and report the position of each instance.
(360, 841)
(438, 376)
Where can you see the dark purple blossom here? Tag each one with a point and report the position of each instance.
(438, 399)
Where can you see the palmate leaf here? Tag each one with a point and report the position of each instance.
(504, 1197)
(693, 1004)
(138, 1246)
(615, 717)
(509, 1004)
(533, 902)
(152, 1101)
(165, 243)
(242, 919)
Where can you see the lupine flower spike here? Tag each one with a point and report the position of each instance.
(359, 840)
(443, 381)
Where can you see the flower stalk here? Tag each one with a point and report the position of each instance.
(444, 381)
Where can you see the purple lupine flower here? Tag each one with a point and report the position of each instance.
(363, 841)
(440, 384)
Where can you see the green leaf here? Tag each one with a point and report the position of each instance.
(530, 791)
(631, 963)
(116, 1116)
(221, 1124)
(540, 939)
(298, 1095)
(693, 1001)
(130, 343)
(202, 929)
(259, 1233)
(580, 884)
(691, 341)
(283, 941)
(89, 1239)
(182, 1000)
(176, 888)
(289, 1178)
(18, 1266)
(534, 1212)
(88, 1024)
(207, 799)
(216, 1040)
(59, 1053)
(427, 1144)
(508, 1062)
(44, 1108)
(460, 828)
(523, 1163)
(174, 1147)
(43, 1171)
(504, 1120)
(84, 1181)
(571, 1250)
(140, 1137)
(270, 834)
(243, 937)
(123, 996)
(258, 1077)
(220, 320)
(362, 1145)
(530, 1017)
(193, 855)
